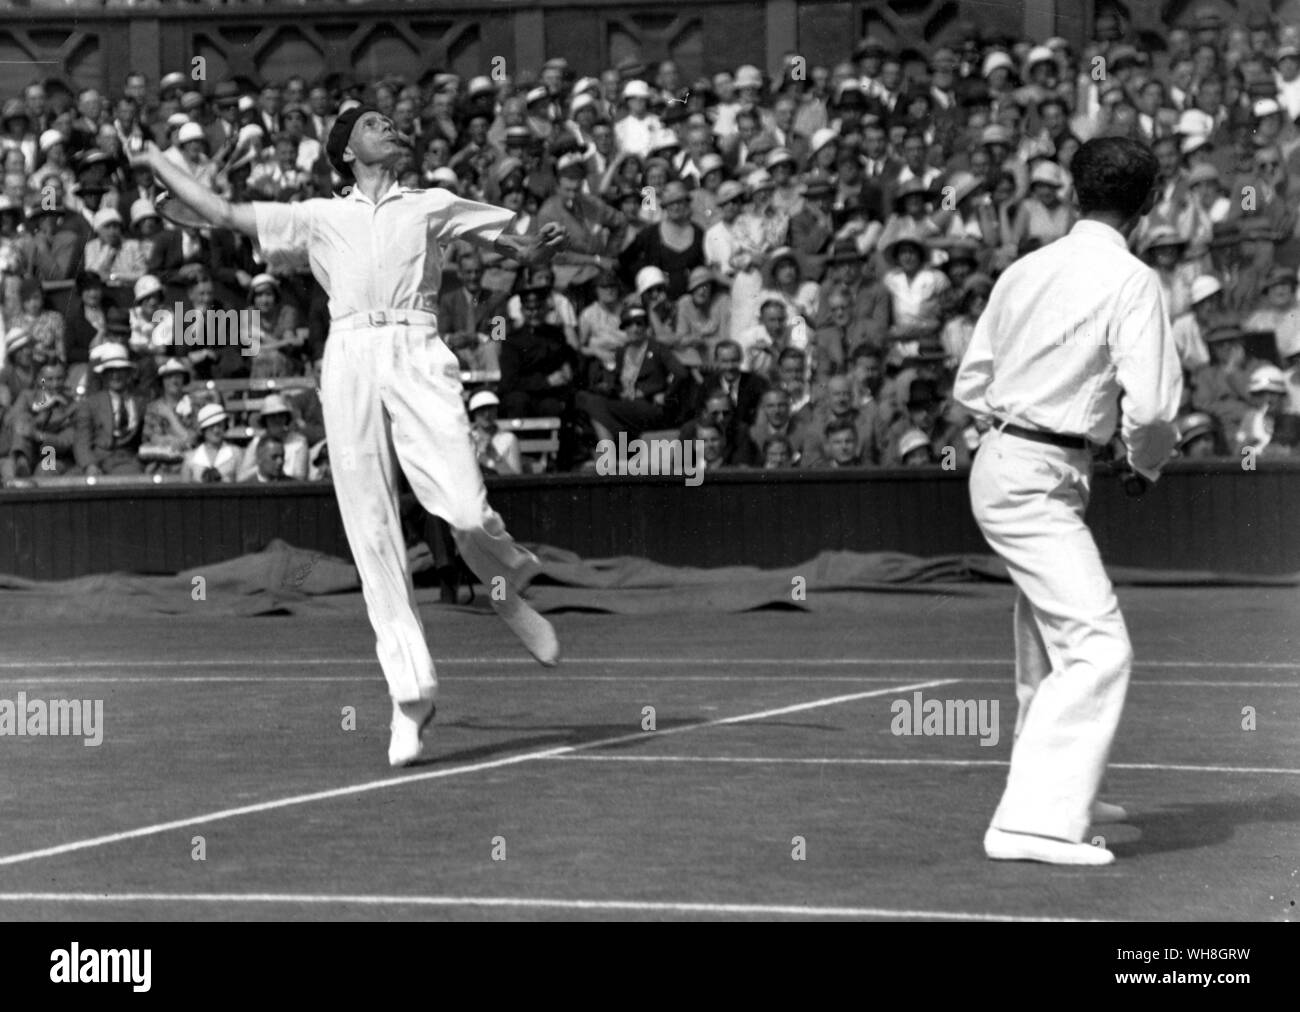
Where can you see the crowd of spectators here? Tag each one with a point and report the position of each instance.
(788, 267)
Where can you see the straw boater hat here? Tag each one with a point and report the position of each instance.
(782, 254)
(275, 405)
(483, 399)
(1198, 423)
(649, 277)
(113, 356)
(1162, 236)
(210, 415)
(908, 233)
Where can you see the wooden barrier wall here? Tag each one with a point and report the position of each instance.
(1210, 516)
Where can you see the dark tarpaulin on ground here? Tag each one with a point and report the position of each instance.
(284, 580)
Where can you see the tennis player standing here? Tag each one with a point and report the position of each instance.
(1068, 329)
(390, 387)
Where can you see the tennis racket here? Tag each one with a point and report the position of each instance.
(176, 211)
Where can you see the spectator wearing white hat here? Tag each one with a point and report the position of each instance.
(497, 451)
(19, 370)
(276, 420)
(1043, 216)
(145, 222)
(1205, 207)
(52, 155)
(110, 422)
(1268, 398)
(651, 286)
(749, 97)
(189, 151)
(1198, 435)
(30, 309)
(759, 230)
(638, 130)
(1164, 249)
(1287, 76)
(720, 242)
(170, 425)
(118, 260)
(148, 317)
(914, 449)
(1189, 328)
(282, 343)
(214, 459)
(703, 313)
(1278, 311)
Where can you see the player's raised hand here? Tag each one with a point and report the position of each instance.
(552, 236)
(144, 156)
(534, 250)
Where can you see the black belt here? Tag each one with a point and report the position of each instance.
(1039, 436)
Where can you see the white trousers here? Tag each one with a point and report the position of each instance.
(392, 395)
(1073, 655)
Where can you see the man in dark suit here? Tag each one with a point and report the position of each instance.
(109, 423)
(721, 414)
(176, 253)
(643, 390)
(743, 389)
(879, 164)
(538, 367)
(539, 370)
(774, 419)
(465, 317)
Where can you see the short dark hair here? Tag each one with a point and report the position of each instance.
(1113, 174)
(88, 279)
(865, 350)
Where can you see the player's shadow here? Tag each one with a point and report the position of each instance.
(1194, 826)
(542, 737)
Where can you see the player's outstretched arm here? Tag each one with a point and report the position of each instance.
(533, 250)
(212, 206)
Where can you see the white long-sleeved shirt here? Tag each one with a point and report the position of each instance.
(1068, 329)
(370, 256)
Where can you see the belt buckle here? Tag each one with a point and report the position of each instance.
(378, 318)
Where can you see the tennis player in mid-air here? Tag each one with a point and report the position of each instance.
(390, 387)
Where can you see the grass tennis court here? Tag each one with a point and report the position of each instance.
(232, 731)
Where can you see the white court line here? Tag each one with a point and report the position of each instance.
(561, 676)
(439, 774)
(526, 903)
(856, 761)
(658, 661)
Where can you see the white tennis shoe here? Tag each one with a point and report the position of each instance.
(1104, 812)
(1000, 845)
(409, 723)
(534, 632)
